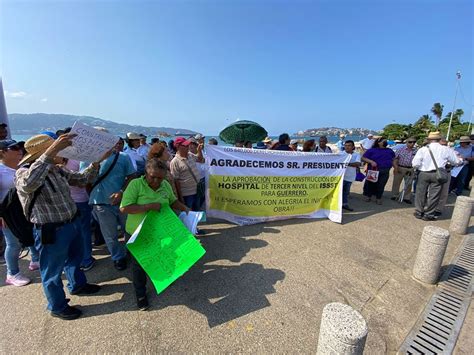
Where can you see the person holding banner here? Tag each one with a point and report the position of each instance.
(186, 173)
(147, 193)
(380, 159)
(350, 174)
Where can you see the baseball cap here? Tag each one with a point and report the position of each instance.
(181, 141)
(133, 135)
(7, 143)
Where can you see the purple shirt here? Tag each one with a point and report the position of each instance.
(78, 194)
(382, 156)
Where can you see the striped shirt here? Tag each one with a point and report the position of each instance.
(54, 204)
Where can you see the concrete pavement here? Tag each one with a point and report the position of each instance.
(259, 288)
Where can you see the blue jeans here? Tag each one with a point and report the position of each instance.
(192, 202)
(346, 188)
(460, 180)
(109, 217)
(12, 252)
(64, 254)
(85, 219)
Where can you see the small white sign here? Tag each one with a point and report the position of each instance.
(89, 145)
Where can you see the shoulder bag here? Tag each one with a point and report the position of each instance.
(201, 184)
(441, 173)
(91, 187)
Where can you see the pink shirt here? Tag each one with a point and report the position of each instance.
(78, 194)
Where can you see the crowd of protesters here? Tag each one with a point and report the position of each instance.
(69, 201)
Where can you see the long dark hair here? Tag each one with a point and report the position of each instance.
(377, 141)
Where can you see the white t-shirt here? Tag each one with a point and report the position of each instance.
(351, 172)
(7, 180)
(367, 143)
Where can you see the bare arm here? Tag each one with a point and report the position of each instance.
(177, 205)
(135, 209)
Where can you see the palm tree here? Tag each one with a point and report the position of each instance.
(437, 110)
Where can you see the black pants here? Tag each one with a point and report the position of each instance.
(377, 188)
(139, 279)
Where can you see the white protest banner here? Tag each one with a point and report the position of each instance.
(247, 186)
(89, 145)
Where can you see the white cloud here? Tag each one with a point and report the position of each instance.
(44, 99)
(15, 94)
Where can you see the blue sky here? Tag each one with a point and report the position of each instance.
(289, 65)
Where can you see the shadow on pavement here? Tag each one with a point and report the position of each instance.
(219, 292)
(225, 292)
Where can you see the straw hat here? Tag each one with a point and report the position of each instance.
(464, 139)
(35, 147)
(434, 135)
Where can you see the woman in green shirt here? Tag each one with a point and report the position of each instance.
(146, 193)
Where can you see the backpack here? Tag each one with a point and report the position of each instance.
(11, 211)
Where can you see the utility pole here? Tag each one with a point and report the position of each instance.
(458, 77)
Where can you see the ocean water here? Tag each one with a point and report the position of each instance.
(331, 139)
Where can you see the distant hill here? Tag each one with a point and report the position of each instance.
(335, 131)
(33, 123)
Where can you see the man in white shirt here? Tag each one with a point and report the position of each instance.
(322, 147)
(138, 161)
(428, 189)
(144, 147)
(368, 142)
(350, 174)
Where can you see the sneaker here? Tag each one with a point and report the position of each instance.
(87, 289)
(142, 304)
(408, 202)
(437, 213)
(34, 265)
(429, 217)
(88, 266)
(394, 198)
(418, 215)
(200, 232)
(120, 264)
(347, 208)
(17, 280)
(69, 313)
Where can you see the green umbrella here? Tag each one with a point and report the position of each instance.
(243, 131)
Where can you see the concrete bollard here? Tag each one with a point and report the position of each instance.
(461, 214)
(343, 330)
(433, 243)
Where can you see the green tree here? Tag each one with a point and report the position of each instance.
(437, 110)
(458, 128)
(395, 131)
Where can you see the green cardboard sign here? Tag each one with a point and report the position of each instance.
(165, 248)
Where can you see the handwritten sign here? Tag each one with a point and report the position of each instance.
(164, 247)
(89, 145)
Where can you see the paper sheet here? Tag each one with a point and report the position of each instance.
(456, 170)
(191, 220)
